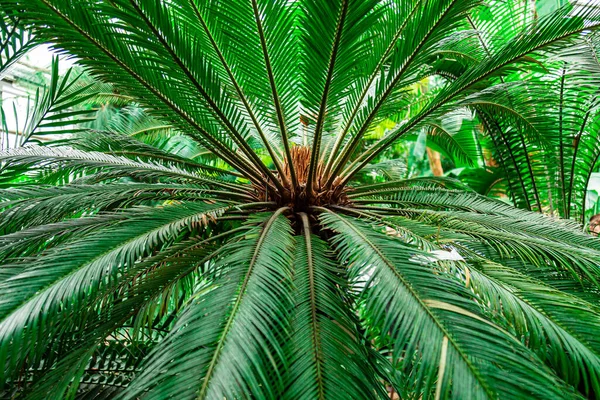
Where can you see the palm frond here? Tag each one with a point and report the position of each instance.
(327, 359)
(211, 331)
(60, 284)
(549, 33)
(466, 354)
(15, 41)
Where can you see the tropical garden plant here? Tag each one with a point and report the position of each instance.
(218, 238)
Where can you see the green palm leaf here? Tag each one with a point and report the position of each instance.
(214, 340)
(327, 359)
(467, 353)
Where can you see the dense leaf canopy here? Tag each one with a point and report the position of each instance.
(219, 241)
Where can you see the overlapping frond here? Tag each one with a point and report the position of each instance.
(327, 360)
(547, 34)
(466, 355)
(15, 41)
(38, 287)
(233, 330)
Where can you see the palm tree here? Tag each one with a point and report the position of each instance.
(255, 264)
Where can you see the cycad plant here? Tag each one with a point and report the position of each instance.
(249, 261)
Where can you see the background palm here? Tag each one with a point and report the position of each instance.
(232, 252)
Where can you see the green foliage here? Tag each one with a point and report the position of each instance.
(241, 218)
(53, 109)
(15, 41)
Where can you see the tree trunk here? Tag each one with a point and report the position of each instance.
(435, 163)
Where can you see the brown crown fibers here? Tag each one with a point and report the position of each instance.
(298, 198)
